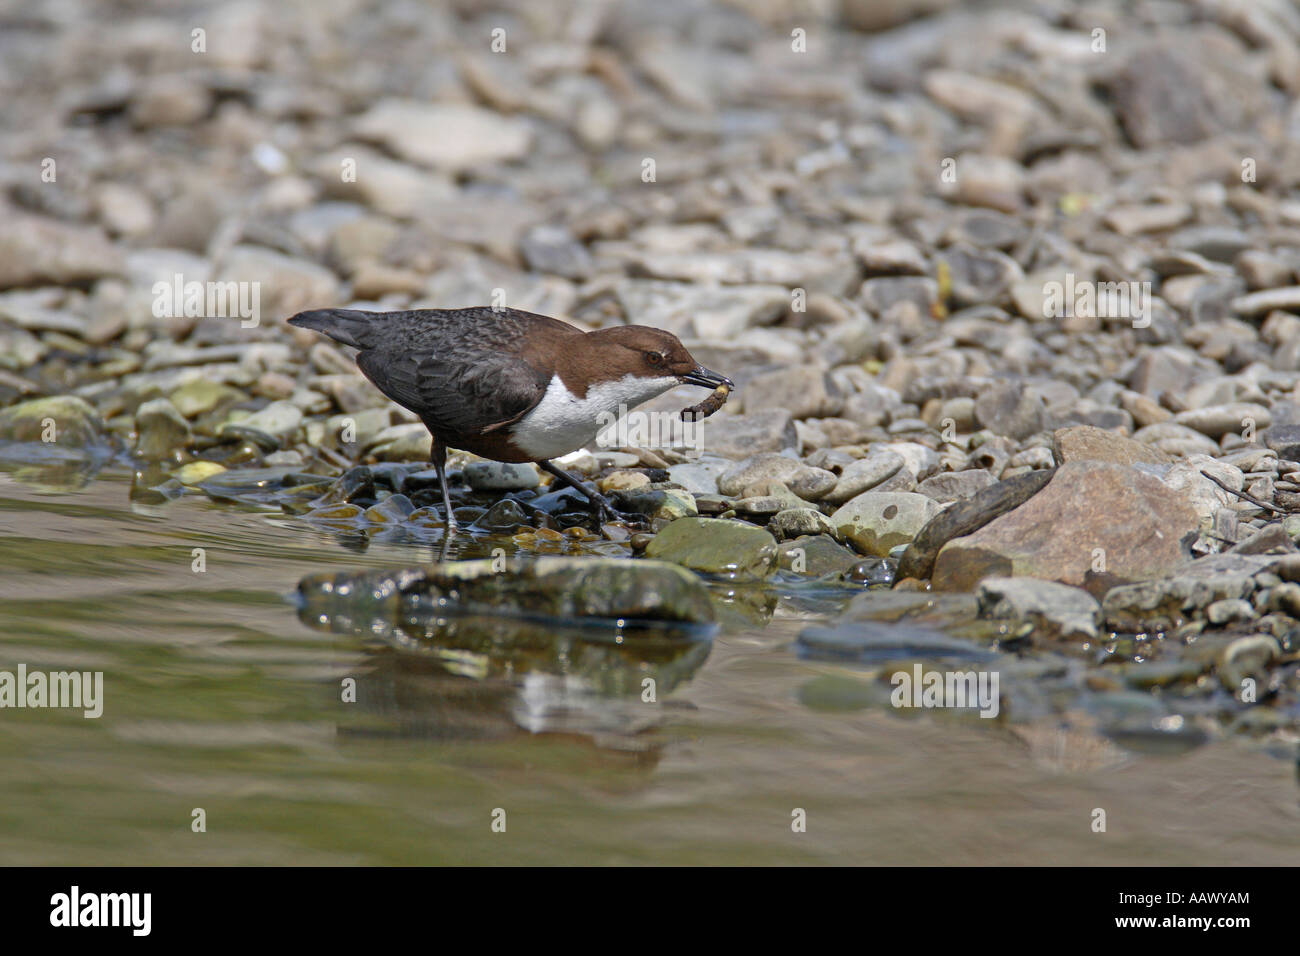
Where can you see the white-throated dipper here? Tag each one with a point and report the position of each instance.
(509, 385)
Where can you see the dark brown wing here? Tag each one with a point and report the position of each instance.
(455, 397)
(460, 370)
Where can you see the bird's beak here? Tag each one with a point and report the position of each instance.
(702, 376)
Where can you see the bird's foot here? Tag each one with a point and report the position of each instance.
(606, 513)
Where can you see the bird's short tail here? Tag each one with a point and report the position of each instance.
(349, 326)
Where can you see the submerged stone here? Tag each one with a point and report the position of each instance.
(196, 472)
(866, 641)
(394, 508)
(161, 430)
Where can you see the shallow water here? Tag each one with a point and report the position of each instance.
(218, 696)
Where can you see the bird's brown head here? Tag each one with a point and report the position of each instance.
(651, 353)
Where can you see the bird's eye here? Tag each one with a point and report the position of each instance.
(654, 358)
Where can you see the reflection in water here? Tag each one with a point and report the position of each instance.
(546, 672)
(51, 467)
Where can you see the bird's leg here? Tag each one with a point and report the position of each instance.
(607, 512)
(438, 456)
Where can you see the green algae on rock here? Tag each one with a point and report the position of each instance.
(65, 420)
(571, 590)
(716, 546)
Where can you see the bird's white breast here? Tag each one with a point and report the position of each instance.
(562, 422)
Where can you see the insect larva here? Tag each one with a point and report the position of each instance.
(711, 404)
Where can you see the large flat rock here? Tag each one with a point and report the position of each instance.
(1094, 526)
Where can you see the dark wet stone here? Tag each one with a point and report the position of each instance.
(431, 497)
(302, 479)
(865, 641)
(966, 517)
(161, 431)
(394, 508)
(391, 474)
(355, 484)
(263, 440)
(560, 500)
(872, 572)
(297, 503)
(1159, 737)
(336, 512)
(564, 588)
(245, 485)
(420, 479)
(712, 504)
(168, 490)
(233, 454)
(505, 515)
